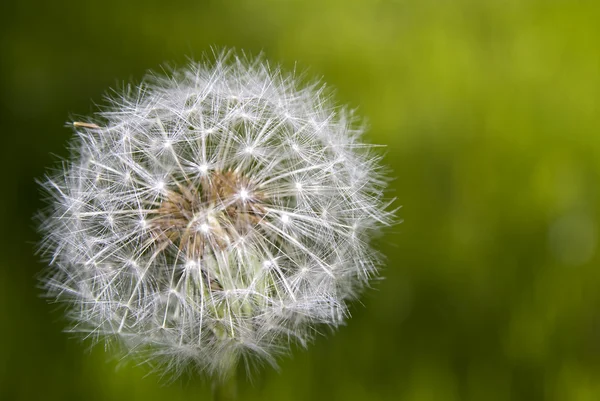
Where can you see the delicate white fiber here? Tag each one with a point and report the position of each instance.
(219, 213)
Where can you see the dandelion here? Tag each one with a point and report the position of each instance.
(213, 216)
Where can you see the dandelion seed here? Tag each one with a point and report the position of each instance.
(164, 237)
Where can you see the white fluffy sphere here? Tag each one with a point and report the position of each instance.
(218, 213)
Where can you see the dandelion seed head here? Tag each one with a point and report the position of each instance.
(214, 215)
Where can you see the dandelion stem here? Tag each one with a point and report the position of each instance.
(226, 388)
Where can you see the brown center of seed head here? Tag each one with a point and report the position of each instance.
(207, 216)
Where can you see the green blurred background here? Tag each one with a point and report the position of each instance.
(490, 113)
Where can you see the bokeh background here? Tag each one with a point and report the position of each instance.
(490, 113)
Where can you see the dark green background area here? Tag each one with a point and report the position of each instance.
(490, 113)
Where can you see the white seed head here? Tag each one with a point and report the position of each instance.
(215, 215)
